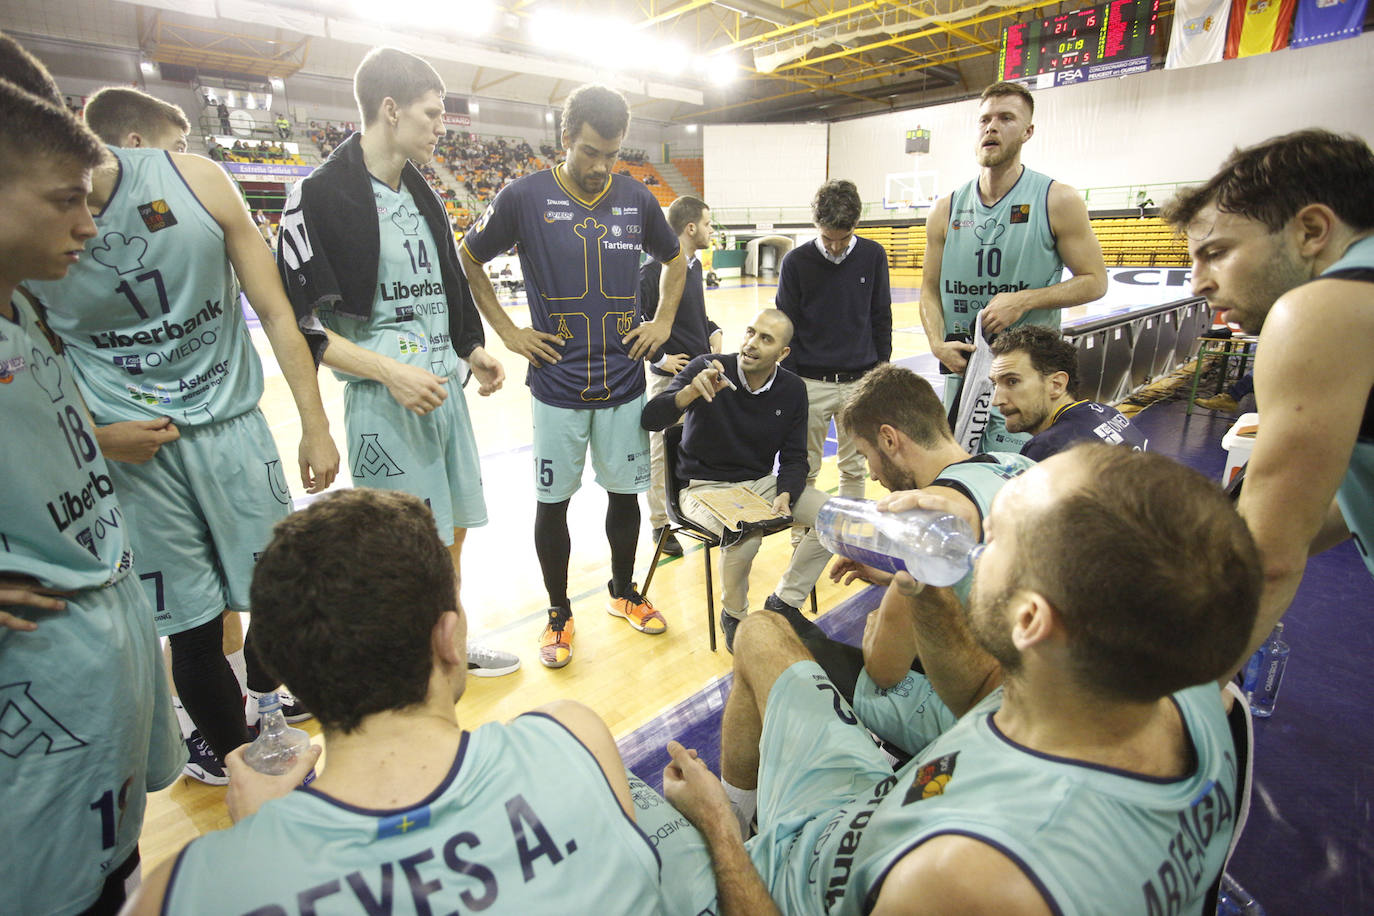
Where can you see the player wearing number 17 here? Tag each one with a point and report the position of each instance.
(156, 336)
(999, 245)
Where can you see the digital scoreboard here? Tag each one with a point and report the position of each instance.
(1110, 39)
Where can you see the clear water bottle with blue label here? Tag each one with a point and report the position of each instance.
(1234, 900)
(1273, 658)
(278, 745)
(934, 547)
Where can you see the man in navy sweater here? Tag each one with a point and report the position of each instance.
(836, 292)
(743, 412)
(1035, 374)
(693, 334)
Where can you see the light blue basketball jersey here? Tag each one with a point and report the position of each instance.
(995, 249)
(409, 320)
(1092, 838)
(525, 822)
(979, 479)
(62, 523)
(86, 723)
(151, 314)
(1356, 493)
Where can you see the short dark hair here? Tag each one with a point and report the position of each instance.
(899, 398)
(1049, 352)
(1271, 181)
(1152, 571)
(600, 106)
(36, 128)
(345, 599)
(26, 71)
(1013, 89)
(117, 111)
(392, 73)
(836, 205)
(684, 211)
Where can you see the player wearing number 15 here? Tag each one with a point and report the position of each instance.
(152, 324)
(999, 245)
(87, 726)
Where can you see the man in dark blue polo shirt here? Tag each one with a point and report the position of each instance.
(744, 413)
(1035, 371)
(836, 293)
(581, 230)
(693, 335)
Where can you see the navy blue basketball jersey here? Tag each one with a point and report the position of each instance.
(580, 260)
(1084, 421)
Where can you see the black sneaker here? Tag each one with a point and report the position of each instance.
(671, 546)
(204, 765)
(728, 625)
(804, 628)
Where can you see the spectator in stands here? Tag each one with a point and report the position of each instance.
(283, 125)
(836, 292)
(1110, 733)
(367, 567)
(1035, 377)
(214, 150)
(1040, 225)
(743, 415)
(1282, 241)
(223, 111)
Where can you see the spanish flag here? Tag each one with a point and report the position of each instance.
(1259, 26)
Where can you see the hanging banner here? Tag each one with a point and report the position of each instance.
(1198, 35)
(1259, 26)
(1320, 21)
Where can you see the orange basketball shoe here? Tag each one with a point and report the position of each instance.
(636, 610)
(555, 643)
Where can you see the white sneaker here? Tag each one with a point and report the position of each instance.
(484, 661)
(293, 710)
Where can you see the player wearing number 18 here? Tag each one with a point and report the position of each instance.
(999, 245)
(87, 726)
(156, 336)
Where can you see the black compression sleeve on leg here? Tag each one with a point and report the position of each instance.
(256, 674)
(207, 686)
(553, 546)
(622, 533)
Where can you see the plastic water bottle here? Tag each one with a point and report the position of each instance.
(278, 745)
(1234, 900)
(1272, 662)
(934, 547)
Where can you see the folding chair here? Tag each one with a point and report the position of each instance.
(680, 524)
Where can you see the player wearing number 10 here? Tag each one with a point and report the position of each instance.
(999, 245)
(151, 320)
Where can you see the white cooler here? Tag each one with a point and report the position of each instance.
(1239, 442)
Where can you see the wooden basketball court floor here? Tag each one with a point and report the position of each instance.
(627, 677)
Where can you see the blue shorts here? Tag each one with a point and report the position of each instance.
(199, 514)
(433, 457)
(814, 757)
(620, 449)
(996, 438)
(87, 731)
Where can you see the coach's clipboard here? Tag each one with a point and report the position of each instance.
(741, 511)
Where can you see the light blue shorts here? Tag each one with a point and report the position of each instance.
(433, 457)
(199, 514)
(996, 438)
(88, 730)
(620, 449)
(814, 755)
